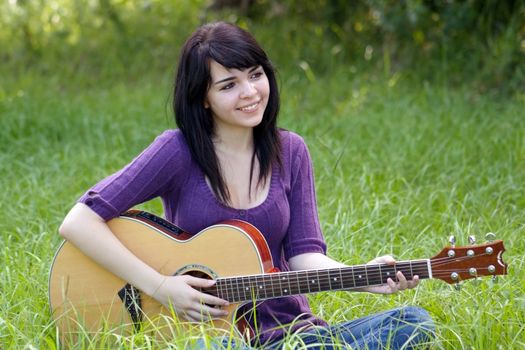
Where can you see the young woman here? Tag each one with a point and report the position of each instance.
(228, 160)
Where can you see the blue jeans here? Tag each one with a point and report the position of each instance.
(402, 328)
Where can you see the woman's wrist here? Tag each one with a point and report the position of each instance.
(158, 285)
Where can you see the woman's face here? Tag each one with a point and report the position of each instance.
(237, 98)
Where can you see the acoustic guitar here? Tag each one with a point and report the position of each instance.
(85, 297)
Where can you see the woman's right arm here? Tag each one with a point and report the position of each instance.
(89, 232)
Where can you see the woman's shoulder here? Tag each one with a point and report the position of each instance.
(171, 138)
(170, 135)
(291, 143)
(291, 139)
(171, 141)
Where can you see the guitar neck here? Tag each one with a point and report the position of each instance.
(274, 285)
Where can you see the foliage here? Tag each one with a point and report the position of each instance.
(478, 42)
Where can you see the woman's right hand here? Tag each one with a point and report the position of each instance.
(180, 294)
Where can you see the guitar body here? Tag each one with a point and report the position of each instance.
(84, 296)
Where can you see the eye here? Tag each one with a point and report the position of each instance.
(257, 75)
(227, 86)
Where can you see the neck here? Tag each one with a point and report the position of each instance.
(273, 285)
(234, 140)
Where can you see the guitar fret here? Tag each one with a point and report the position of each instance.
(234, 290)
(389, 272)
(218, 285)
(361, 280)
(396, 270)
(266, 286)
(299, 288)
(345, 278)
(373, 274)
(245, 289)
(283, 290)
(257, 288)
(287, 287)
(271, 284)
(307, 284)
(226, 290)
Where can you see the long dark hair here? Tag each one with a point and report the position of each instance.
(231, 47)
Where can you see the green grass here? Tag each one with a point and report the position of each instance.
(400, 164)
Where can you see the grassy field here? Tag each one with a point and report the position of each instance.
(400, 164)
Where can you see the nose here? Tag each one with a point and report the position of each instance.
(248, 90)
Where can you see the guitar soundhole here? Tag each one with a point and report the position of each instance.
(199, 274)
(204, 275)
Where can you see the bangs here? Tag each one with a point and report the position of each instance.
(237, 55)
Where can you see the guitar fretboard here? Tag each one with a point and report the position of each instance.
(273, 285)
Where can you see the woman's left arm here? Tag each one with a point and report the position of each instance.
(312, 261)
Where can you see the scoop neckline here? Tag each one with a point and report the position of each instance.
(210, 193)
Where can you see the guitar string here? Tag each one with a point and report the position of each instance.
(421, 264)
(344, 272)
(240, 294)
(272, 292)
(325, 281)
(371, 271)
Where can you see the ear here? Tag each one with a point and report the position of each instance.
(206, 104)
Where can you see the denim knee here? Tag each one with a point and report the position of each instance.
(416, 315)
(419, 320)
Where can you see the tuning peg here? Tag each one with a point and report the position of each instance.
(490, 236)
(494, 279)
(452, 240)
(471, 239)
(457, 286)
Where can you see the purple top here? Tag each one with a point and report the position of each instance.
(287, 218)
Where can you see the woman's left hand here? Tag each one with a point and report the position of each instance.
(391, 286)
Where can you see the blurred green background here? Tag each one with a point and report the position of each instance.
(413, 112)
(479, 43)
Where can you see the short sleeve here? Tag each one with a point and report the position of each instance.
(304, 232)
(152, 173)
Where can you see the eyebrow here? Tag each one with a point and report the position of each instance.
(232, 78)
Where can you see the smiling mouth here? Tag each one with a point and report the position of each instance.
(250, 108)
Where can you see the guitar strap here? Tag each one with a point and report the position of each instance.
(130, 296)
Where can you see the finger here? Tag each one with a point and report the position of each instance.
(414, 282)
(199, 282)
(193, 316)
(401, 280)
(204, 313)
(212, 312)
(211, 299)
(389, 259)
(385, 259)
(392, 285)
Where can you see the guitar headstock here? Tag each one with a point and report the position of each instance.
(455, 264)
